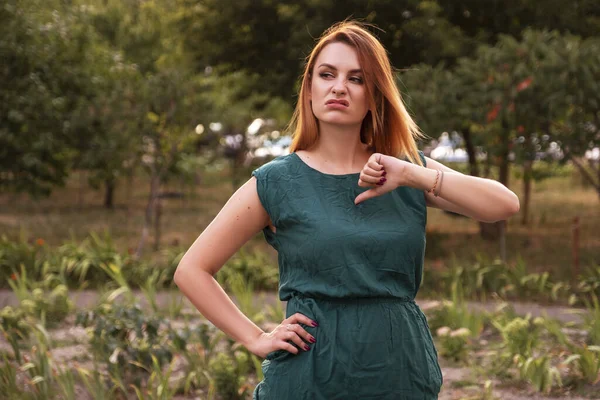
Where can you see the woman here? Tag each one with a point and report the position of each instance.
(346, 211)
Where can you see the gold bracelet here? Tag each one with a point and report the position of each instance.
(436, 181)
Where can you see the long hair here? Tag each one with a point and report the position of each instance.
(387, 128)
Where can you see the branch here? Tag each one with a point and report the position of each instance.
(583, 171)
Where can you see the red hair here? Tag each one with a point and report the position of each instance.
(387, 128)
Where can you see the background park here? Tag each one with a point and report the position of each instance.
(125, 125)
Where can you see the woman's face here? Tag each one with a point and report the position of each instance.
(337, 89)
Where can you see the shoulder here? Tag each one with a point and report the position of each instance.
(277, 167)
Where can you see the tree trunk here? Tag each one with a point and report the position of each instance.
(129, 197)
(109, 185)
(586, 174)
(497, 230)
(152, 198)
(157, 214)
(80, 189)
(473, 166)
(504, 170)
(527, 170)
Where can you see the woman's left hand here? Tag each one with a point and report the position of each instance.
(382, 174)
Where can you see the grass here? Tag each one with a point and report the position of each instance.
(544, 244)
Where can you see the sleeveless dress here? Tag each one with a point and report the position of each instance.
(355, 269)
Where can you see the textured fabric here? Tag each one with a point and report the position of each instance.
(355, 269)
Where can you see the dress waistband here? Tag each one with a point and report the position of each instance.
(354, 300)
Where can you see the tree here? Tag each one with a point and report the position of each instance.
(509, 96)
(43, 75)
(578, 128)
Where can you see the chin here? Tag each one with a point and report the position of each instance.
(338, 119)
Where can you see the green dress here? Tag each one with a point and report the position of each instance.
(355, 269)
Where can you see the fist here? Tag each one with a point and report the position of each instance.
(381, 173)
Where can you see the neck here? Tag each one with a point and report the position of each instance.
(340, 146)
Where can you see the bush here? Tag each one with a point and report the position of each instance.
(125, 339)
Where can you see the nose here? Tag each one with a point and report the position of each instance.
(339, 86)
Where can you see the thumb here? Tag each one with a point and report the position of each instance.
(366, 195)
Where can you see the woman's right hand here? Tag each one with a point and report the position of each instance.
(288, 330)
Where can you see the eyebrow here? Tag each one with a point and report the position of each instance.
(334, 68)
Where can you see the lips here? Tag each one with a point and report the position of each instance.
(341, 102)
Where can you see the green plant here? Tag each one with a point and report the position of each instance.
(30, 255)
(455, 314)
(587, 362)
(589, 282)
(454, 343)
(197, 344)
(96, 384)
(486, 393)
(591, 318)
(47, 300)
(174, 306)
(83, 260)
(229, 373)
(14, 328)
(255, 268)
(157, 387)
(539, 372)
(149, 288)
(520, 336)
(8, 379)
(125, 337)
(39, 366)
(65, 378)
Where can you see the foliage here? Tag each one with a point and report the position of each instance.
(520, 336)
(125, 339)
(29, 254)
(455, 314)
(587, 363)
(15, 328)
(454, 343)
(539, 372)
(230, 375)
(47, 300)
(485, 279)
(45, 46)
(252, 268)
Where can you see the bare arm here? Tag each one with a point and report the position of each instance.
(482, 199)
(238, 221)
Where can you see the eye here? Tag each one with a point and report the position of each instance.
(325, 74)
(356, 79)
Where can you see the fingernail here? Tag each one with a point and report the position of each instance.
(315, 324)
(306, 348)
(382, 180)
(312, 339)
(379, 183)
(383, 173)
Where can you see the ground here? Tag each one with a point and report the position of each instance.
(459, 382)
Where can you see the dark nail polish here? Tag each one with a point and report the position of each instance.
(379, 184)
(313, 340)
(306, 348)
(315, 324)
(384, 173)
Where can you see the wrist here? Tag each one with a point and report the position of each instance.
(251, 338)
(421, 178)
